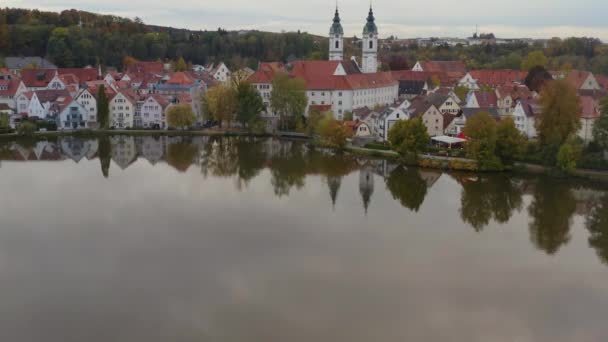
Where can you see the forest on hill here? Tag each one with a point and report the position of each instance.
(75, 38)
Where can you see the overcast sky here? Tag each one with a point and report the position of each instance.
(405, 19)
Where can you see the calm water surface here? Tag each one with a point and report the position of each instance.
(141, 239)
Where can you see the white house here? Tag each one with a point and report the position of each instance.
(56, 83)
(89, 102)
(390, 116)
(10, 88)
(74, 116)
(469, 82)
(220, 72)
(524, 115)
(122, 110)
(153, 112)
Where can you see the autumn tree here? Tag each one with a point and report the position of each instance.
(481, 131)
(600, 128)
(510, 142)
(333, 132)
(249, 104)
(537, 77)
(409, 137)
(288, 97)
(180, 116)
(181, 65)
(103, 108)
(534, 58)
(220, 104)
(461, 92)
(559, 116)
(127, 61)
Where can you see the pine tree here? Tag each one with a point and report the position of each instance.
(103, 108)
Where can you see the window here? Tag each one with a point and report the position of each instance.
(337, 44)
(371, 44)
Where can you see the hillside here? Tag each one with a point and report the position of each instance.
(75, 38)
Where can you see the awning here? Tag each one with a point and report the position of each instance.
(448, 140)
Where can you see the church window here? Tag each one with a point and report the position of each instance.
(371, 44)
(337, 44)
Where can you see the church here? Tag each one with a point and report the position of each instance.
(340, 85)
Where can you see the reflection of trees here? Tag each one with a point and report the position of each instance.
(551, 212)
(251, 158)
(220, 158)
(597, 224)
(181, 155)
(334, 183)
(408, 187)
(288, 170)
(489, 197)
(105, 155)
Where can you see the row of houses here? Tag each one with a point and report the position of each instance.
(138, 97)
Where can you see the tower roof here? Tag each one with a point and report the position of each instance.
(370, 26)
(336, 27)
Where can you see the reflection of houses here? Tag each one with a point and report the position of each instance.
(76, 148)
(430, 177)
(124, 151)
(152, 148)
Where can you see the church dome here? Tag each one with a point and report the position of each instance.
(336, 28)
(370, 26)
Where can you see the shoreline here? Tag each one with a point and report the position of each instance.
(425, 161)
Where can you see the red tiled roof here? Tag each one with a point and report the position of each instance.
(82, 74)
(486, 99)
(11, 85)
(53, 95)
(145, 67)
(266, 72)
(180, 78)
(409, 75)
(590, 108)
(444, 66)
(515, 91)
(498, 77)
(319, 75)
(162, 100)
(602, 80)
(37, 78)
(577, 78)
(320, 108)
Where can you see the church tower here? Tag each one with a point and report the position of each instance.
(336, 39)
(369, 61)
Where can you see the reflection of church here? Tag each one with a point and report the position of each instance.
(366, 185)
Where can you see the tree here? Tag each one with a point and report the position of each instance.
(288, 97)
(537, 77)
(180, 116)
(461, 92)
(4, 34)
(559, 116)
(181, 155)
(220, 104)
(333, 132)
(409, 137)
(600, 129)
(398, 62)
(249, 104)
(510, 142)
(181, 65)
(534, 58)
(567, 156)
(103, 108)
(127, 61)
(27, 128)
(481, 130)
(348, 116)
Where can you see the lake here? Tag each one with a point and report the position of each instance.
(185, 239)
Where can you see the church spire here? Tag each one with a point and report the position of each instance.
(336, 36)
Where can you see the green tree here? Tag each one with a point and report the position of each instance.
(27, 128)
(249, 104)
(288, 97)
(4, 34)
(461, 92)
(180, 116)
(409, 137)
(103, 108)
(348, 116)
(559, 116)
(567, 156)
(312, 122)
(481, 130)
(220, 104)
(510, 142)
(600, 129)
(534, 58)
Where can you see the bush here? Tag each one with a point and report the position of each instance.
(462, 165)
(27, 128)
(378, 146)
(593, 161)
(258, 127)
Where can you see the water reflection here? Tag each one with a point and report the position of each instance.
(484, 199)
(240, 239)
